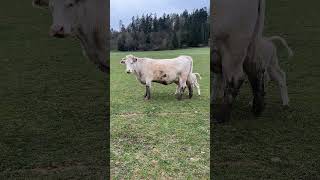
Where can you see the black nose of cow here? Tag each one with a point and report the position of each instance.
(128, 72)
(57, 31)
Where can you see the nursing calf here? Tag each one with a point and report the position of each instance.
(268, 58)
(163, 71)
(270, 62)
(193, 80)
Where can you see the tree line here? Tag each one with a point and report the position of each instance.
(170, 31)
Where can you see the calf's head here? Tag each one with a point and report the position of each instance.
(130, 61)
(65, 14)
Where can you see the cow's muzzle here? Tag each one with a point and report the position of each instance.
(57, 31)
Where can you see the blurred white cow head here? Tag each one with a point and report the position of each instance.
(65, 14)
(130, 61)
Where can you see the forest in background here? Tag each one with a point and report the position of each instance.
(170, 31)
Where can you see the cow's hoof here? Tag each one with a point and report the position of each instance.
(285, 107)
(146, 98)
(190, 96)
(220, 118)
(258, 106)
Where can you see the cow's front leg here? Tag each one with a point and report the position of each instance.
(147, 95)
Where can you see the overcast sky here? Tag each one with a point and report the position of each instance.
(125, 9)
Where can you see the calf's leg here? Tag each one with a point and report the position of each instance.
(198, 87)
(279, 76)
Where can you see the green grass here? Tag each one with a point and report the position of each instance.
(52, 101)
(162, 137)
(281, 144)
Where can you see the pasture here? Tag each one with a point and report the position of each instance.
(281, 144)
(162, 137)
(53, 101)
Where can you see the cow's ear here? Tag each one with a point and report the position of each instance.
(40, 3)
(122, 62)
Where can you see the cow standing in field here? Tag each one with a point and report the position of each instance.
(87, 20)
(236, 29)
(163, 71)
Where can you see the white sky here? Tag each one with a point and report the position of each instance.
(125, 9)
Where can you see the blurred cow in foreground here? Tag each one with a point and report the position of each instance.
(237, 26)
(85, 19)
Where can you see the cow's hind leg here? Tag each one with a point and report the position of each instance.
(256, 79)
(230, 93)
(190, 88)
(217, 87)
(182, 87)
(233, 79)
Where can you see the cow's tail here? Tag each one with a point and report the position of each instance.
(261, 18)
(191, 65)
(284, 43)
(198, 75)
(258, 30)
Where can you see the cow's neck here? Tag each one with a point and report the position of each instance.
(95, 46)
(138, 71)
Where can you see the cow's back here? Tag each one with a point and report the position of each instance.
(234, 18)
(177, 65)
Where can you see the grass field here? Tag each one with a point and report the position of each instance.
(162, 137)
(52, 101)
(282, 144)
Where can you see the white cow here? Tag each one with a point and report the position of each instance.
(237, 26)
(87, 20)
(163, 71)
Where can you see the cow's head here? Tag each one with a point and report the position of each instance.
(130, 61)
(65, 14)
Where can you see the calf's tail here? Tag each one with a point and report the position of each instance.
(198, 75)
(284, 43)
